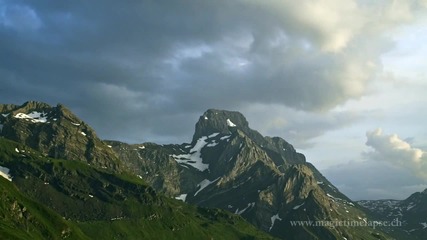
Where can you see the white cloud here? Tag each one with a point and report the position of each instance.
(329, 23)
(391, 148)
(334, 24)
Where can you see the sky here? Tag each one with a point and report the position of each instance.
(344, 81)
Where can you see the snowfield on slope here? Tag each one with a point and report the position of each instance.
(4, 172)
(273, 220)
(230, 123)
(205, 183)
(194, 157)
(34, 117)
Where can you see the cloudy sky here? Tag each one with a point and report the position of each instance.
(344, 81)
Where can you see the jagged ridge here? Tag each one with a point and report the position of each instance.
(260, 178)
(56, 132)
(93, 203)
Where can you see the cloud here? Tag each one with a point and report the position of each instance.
(19, 17)
(392, 149)
(334, 24)
(392, 169)
(329, 23)
(300, 128)
(370, 180)
(156, 62)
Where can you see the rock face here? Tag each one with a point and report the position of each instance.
(154, 164)
(227, 165)
(56, 132)
(213, 121)
(411, 212)
(230, 166)
(66, 199)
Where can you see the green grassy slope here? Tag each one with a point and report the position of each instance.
(23, 218)
(71, 199)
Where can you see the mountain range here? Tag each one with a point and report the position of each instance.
(230, 182)
(411, 211)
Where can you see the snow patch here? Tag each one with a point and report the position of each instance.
(225, 137)
(335, 198)
(75, 124)
(83, 133)
(250, 205)
(298, 206)
(212, 144)
(230, 123)
(4, 172)
(411, 205)
(5, 114)
(141, 147)
(205, 183)
(109, 146)
(273, 219)
(194, 157)
(182, 197)
(17, 150)
(90, 195)
(206, 118)
(363, 219)
(34, 117)
(424, 224)
(213, 135)
(319, 182)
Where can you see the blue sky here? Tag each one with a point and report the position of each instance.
(324, 75)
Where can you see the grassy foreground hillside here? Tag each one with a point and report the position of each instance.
(22, 218)
(64, 199)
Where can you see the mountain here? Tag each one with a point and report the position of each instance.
(59, 180)
(411, 212)
(23, 218)
(56, 132)
(229, 166)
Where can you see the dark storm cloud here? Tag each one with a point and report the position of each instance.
(144, 70)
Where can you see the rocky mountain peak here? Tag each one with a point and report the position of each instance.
(225, 122)
(214, 121)
(56, 132)
(32, 105)
(232, 167)
(34, 111)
